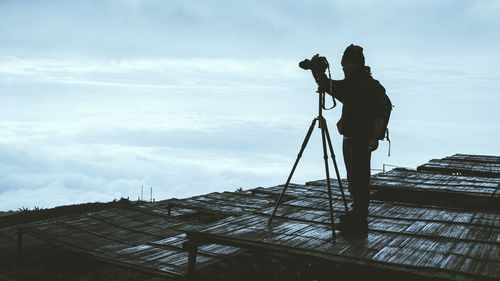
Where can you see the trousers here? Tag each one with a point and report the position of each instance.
(357, 161)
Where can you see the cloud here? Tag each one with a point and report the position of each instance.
(73, 172)
(213, 75)
(245, 28)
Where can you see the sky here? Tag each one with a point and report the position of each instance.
(99, 98)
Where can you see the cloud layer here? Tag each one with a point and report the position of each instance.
(100, 98)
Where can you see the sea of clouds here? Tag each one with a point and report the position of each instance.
(80, 130)
(101, 98)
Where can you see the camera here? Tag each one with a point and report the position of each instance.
(316, 64)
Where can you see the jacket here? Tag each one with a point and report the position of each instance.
(360, 108)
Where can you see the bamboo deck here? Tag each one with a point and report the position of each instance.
(147, 236)
(394, 244)
(447, 243)
(459, 243)
(464, 164)
(131, 237)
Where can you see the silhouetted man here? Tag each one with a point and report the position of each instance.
(361, 126)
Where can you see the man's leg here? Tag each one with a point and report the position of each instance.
(360, 177)
(357, 160)
(346, 151)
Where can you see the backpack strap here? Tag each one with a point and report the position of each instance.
(389, 140)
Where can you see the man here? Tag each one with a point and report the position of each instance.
(361, 126)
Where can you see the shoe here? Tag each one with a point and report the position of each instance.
(351, 224)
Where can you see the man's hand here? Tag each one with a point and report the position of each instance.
(373, 145)
(323, 83)
(319, 64)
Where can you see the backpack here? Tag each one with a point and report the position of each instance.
(382, 107)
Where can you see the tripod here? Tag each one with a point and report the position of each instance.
(325, 137)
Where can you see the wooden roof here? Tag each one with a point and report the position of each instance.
(432, 188)
(435, 182)
(148, 236)
(455, 243)
(447, 243)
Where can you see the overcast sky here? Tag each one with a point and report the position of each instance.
(188, 97)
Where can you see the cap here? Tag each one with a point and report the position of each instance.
(353, 54)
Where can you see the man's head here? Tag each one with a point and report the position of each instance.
(352, 59)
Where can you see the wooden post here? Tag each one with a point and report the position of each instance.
(192, 246)
(19, 247)
(193, 252)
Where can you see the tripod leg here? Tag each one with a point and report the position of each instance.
(304, 144)
(325, 157)
(332, 154)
